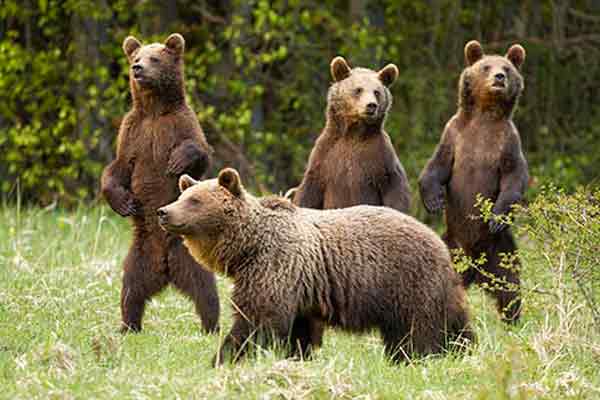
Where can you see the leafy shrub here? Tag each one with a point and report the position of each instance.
(564, 230)
(562, 234)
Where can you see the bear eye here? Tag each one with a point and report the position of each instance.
(505, 70)
(154, 60)
(486, 68)
(193, 201)
(137, 60)
(358, 91)
(377, 94)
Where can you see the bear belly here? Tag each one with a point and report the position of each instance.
(343, 196)
(150, 185)
(351, 181)
(469, 179)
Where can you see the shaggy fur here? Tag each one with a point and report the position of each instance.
(159, 140)
(480, 153)
(296, 270)
(353, 161)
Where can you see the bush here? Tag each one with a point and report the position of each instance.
(564, 231)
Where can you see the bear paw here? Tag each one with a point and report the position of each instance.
(435, 203)
(126, 206)
(176, 165)
(496, 226)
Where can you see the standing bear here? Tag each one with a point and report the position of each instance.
(353, 161)
(295, 269)
(159, 139)
(480, 153)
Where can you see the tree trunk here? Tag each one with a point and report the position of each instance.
(88, 35)
(357, 10)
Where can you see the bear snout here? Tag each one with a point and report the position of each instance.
(371, 108)
(163, 216)
(498, 80)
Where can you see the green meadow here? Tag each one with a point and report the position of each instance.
(60, 278)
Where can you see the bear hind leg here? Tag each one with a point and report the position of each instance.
(140, 283)
(398, 343)
(306, 335)
(504, 280)
(418, 339)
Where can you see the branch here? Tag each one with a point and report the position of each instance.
(583, 16)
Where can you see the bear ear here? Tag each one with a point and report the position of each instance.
(473, 52)
(230, 180)
(130, 44)
(388, 74)
(185, 181)
(339, 69)
(516, 55)
(176, 43)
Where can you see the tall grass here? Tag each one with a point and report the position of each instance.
(59, 318)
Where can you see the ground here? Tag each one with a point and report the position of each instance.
(59, 301)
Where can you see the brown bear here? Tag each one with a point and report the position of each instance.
(296, 269)
(159, 139)
(353, 161)
(480, 153)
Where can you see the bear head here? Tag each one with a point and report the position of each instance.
(155, 67)
(359, 96)
(491, 82)
(205, 209)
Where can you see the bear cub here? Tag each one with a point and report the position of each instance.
(480, 153)
(353, 161)
(159, 139)
(296, 269)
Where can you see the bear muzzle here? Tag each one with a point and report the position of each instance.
(163, 219)
(138, 73)
(371, 112)
(499, 80)
(371, 109)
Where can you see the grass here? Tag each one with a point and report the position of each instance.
(59, 317)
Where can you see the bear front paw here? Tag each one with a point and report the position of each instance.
(496, 226)
(130, 208)
(434, 204)
(124, 204)
(176, 166)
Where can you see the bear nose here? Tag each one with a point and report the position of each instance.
(500, 77)
(136, 68)
(371, 107)
(161, 212)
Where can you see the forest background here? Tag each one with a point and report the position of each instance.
(257, 74)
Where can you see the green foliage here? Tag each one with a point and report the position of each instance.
(566, 231)
(46, 139)
(257, 74)
(563, 230)
(485, 206)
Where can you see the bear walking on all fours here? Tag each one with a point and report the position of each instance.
(159, 139)
(296, 269)
(480, 153)
(353, 161)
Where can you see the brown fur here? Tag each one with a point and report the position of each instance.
(159, 139)
(480, 153)
(353, 161)
(296, 270)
